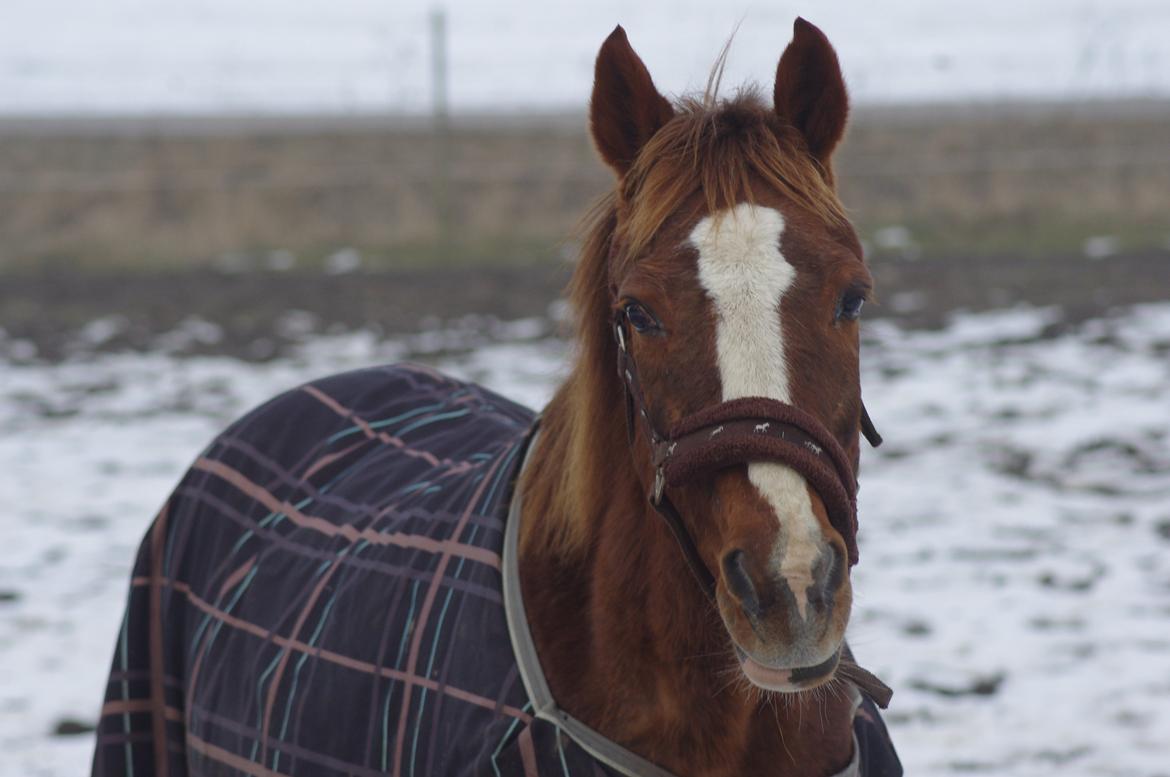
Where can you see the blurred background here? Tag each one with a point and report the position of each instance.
(205, 202)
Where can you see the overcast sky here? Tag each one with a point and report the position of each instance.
(358, 55)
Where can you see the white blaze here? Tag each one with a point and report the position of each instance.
(745, 275)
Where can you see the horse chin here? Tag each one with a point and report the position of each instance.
(788, 679)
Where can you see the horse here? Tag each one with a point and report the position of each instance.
(390, 571)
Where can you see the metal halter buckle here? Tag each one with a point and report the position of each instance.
(659, 485)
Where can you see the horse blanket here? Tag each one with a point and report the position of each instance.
(322, 595)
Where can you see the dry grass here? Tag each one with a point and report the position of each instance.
(1020, 179)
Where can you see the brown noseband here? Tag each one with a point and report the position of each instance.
(762, 429)
(737, 432)
(741, 431)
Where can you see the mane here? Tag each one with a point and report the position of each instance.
(722, 149)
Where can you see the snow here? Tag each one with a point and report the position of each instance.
(1014, 585)
(216, 56)
(1019, 520)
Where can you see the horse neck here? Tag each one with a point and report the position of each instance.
(628, 641)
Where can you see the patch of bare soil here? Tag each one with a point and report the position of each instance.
(257, 314)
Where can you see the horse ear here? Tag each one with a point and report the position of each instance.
(625, 110)
(810, 91)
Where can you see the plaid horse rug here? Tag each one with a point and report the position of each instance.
(323, 594)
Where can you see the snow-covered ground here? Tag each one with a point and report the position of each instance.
(1015, 579)
(79, 56)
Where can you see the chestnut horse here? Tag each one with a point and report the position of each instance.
(727, 261)
(392, 572)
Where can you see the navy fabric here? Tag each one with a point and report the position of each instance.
(321, 595)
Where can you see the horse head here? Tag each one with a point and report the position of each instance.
(734, 285)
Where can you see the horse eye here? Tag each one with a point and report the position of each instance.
(641, 319)
(849, 308)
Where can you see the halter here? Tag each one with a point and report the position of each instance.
(739, 431)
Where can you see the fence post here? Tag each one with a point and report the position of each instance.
(441, 128)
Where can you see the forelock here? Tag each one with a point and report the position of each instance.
(722, 149)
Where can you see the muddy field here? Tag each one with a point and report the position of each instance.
(259, 314)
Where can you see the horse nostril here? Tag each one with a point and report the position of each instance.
(739, 582)
(828, 576)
